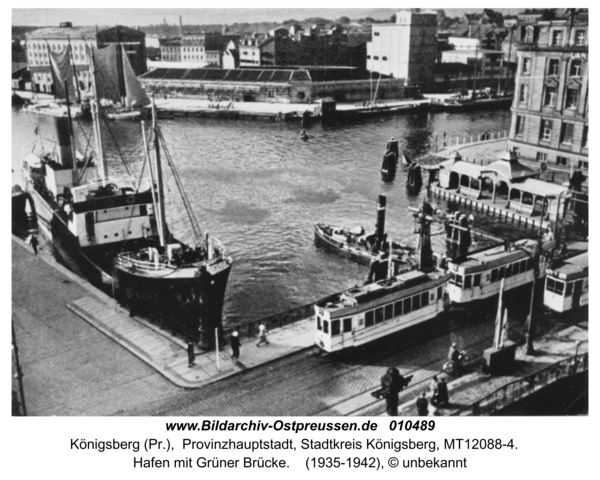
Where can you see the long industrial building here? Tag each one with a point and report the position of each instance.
(276, 85)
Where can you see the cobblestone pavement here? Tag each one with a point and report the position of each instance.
(69, 367)
(72, 369)
(310, 384)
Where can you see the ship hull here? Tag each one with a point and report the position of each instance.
(193, 297)
(342, 248)
(176, 303)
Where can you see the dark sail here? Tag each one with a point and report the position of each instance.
(107, 74)
(63, 73)
(135, 96)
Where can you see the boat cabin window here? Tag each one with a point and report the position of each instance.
(347, 325)
(407, 305)
(335, 327)
(389, 311)
(439, 295)
(508, 271)
(468, 281)
(569, 291)
(555, 286)
(319, 326)
(369, 318)
(424, 299)
(379, 315)
(325, 326)
(494, 275)
(477, 280)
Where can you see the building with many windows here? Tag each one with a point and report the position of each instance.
(57, 39)
(315, 47)
(201, 48)
(550, 113)
(406, 49)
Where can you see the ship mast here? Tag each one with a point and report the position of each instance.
(159, 180)
(95, 104)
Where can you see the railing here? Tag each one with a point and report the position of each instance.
(524, 387)
(278, 320)
(125, 261)
(453, 141)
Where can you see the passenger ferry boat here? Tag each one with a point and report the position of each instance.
(363, 314)
(478, 275)
(567, 284)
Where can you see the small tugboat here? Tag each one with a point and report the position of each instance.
(363, 314)
(368, 249)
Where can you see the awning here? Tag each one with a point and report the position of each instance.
(540, 188)
(465, 168)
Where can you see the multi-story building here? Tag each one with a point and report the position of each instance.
(204, 48)
(406, 49)
(54, 39)
(550, 113)
(316, 47)
(170, 50)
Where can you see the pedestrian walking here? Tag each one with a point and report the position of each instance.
(33, 241)
(422, 405)
(262, 335)
(234, 341)
(191, 355)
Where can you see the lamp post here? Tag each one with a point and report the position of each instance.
(535, 259)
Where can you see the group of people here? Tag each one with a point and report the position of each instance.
(234, 342)
(439, 397)
(392, 383)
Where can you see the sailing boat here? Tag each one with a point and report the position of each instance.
(67, 96)
(118, 85)
(92, 219)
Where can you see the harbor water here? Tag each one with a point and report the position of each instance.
(259, 188)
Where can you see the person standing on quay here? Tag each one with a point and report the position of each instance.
(191, 355)
(422, 405)
(262, 335)
(235, 345)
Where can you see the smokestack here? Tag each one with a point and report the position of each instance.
(381, 219)
(181, 28)
(63, 134)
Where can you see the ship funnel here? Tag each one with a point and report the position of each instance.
(381, 204)
(63, 134)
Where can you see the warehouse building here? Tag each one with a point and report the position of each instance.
(275, 85)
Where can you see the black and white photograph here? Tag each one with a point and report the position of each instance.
(278, 212)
